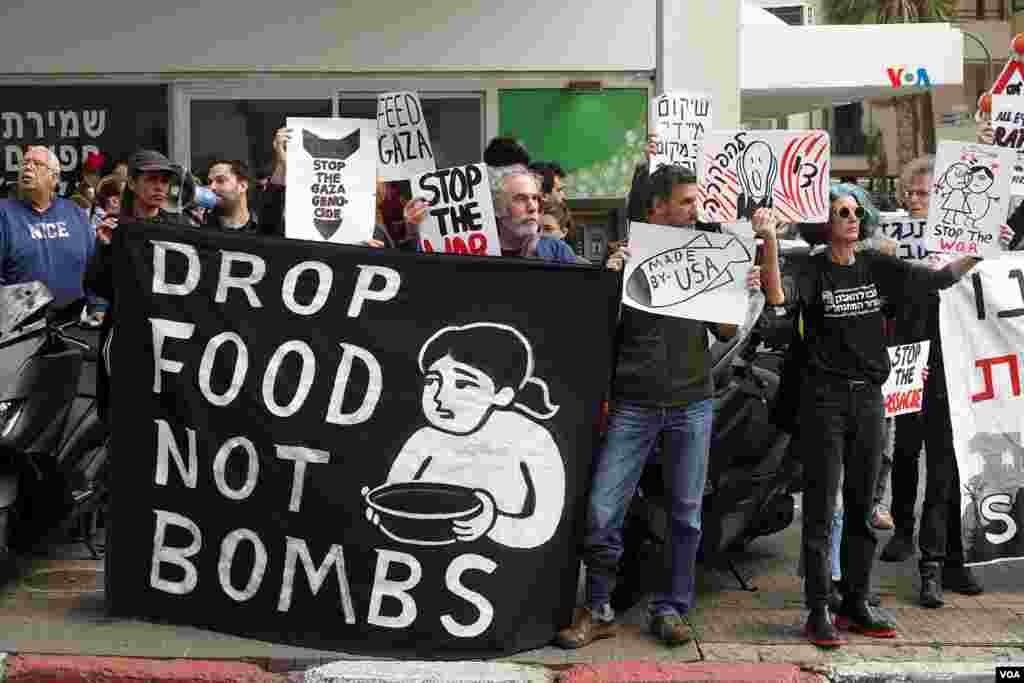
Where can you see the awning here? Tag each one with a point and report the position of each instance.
(792, 69)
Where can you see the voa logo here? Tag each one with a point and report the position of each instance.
(901, 76)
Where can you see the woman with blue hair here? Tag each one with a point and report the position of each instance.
(839, 294)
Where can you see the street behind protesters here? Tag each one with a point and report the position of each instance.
(839, 300)
(662, 386)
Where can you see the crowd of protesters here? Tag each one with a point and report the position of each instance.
(661, 386)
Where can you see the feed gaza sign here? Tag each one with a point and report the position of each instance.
(301, 415)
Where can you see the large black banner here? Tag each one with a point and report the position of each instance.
(352, 448)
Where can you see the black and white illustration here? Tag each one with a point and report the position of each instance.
(332, 166)
(757, 169)
(969, 199)
(483, 465)
(741, 171)
(688, 273)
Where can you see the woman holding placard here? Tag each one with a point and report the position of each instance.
(839, 295)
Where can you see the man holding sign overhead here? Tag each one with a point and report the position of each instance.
(663, 386)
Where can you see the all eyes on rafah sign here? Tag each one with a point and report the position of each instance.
(351, 448)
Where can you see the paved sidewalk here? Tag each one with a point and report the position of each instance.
(56, 608)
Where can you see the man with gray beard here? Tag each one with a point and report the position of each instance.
(517, 201)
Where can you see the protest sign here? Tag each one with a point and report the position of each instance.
(679, 119)
(332, 180)
(460, 213)
(907, 232)
(349, 448)
(982, 330)
(970, 198)
(903, 391)
(742, 171)
(1008, 131)
(687, 273)
(403, 141)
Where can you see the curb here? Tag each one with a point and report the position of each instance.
(75, 669)
(655, 672)
(425, 672)
(914, 672)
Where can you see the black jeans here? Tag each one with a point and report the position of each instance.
(940, 538)
(840, 434)
(910, 430)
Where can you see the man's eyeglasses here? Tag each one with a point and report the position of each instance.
(917, 193)
(845, 212)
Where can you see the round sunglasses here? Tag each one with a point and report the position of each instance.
(845, 212)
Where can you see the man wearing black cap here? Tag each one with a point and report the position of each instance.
(150, 175)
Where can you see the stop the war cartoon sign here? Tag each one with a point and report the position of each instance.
(332, 170)
(970, 198)
(460, 213)
(403, 141)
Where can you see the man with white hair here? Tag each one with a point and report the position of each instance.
(42, 236)
(517, 203)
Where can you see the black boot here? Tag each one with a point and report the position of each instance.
(857, 616)
(821, 630)
(899, 548)
(931, 585)
(960, 579)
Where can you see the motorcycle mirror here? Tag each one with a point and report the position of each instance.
(21, 304)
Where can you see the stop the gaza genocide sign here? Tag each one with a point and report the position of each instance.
(351, 448)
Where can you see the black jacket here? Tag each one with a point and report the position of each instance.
(99, 279)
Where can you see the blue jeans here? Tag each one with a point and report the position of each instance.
(632, 431)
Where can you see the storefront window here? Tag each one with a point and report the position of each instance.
(597, 137)
(244, 129)
(76, 120)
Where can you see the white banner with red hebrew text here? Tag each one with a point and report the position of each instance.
(982, 329)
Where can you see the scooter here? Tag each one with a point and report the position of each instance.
(53, 446)
(753, 470)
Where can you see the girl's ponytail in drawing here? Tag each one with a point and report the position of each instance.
(544, 399)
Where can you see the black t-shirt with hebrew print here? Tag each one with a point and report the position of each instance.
(841, 307)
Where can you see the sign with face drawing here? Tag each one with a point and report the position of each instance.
(335, 452)
(332, 180)
(742, 171)
(688, 273)
(970, 198)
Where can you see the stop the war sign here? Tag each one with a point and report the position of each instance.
(460, 212)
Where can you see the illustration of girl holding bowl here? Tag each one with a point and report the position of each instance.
(482, 440)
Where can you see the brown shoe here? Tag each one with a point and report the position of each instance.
(881, 519)
(671, 629)
(585, 629)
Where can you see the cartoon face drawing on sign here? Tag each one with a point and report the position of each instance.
(483, 465)
(329, 197)
(978, 199)
(952, 188)
(756, 170)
